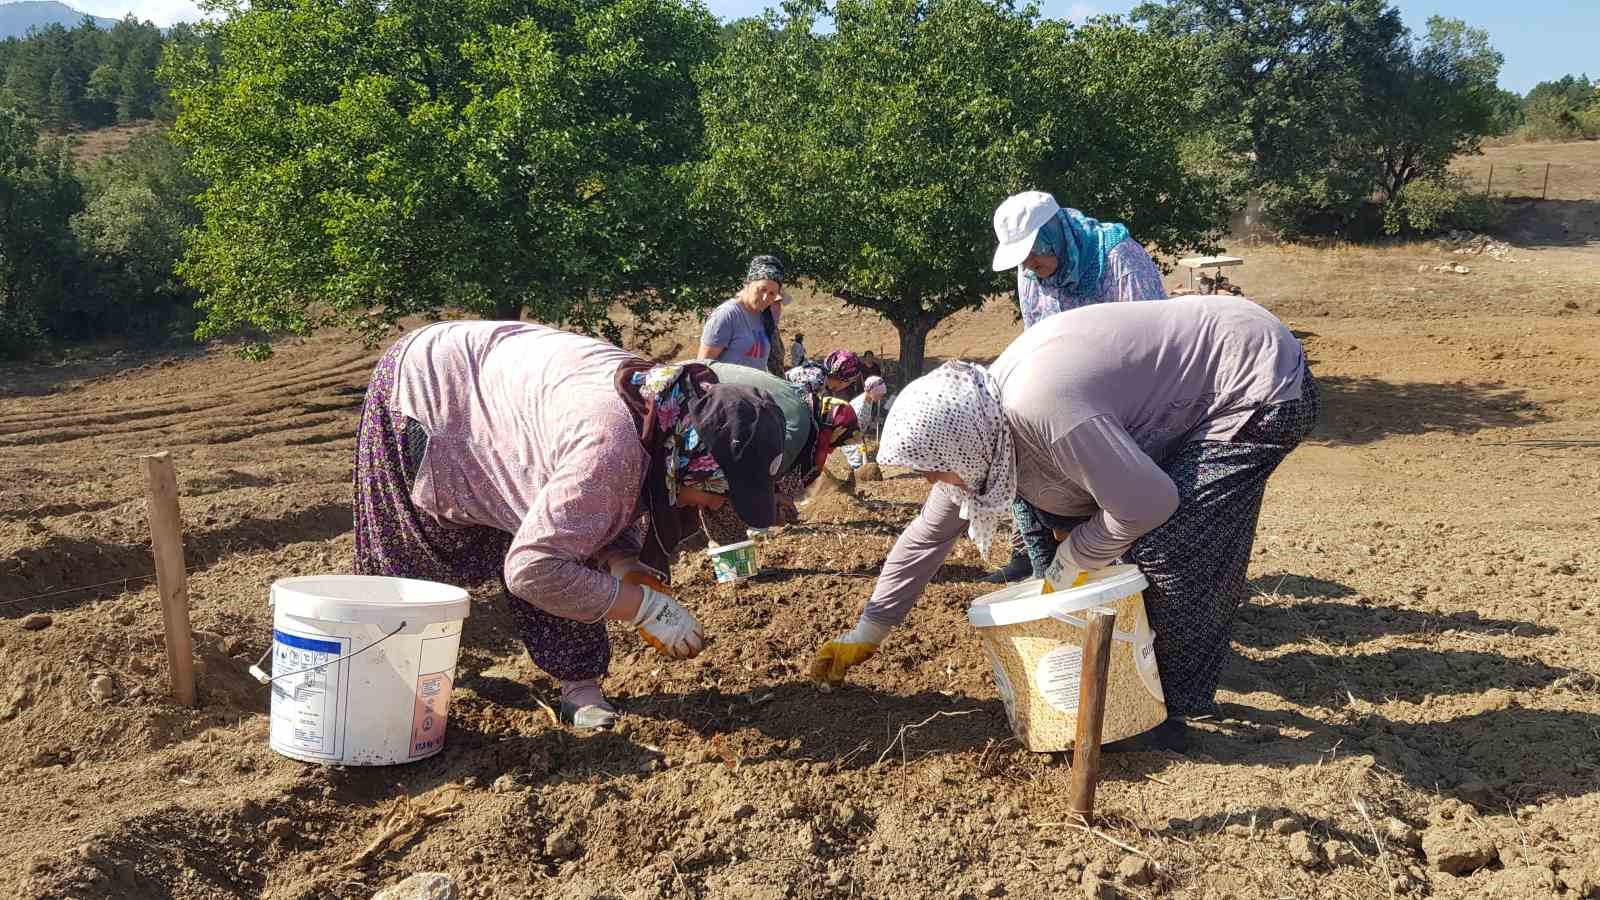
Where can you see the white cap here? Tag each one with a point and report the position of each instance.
(1016, 221)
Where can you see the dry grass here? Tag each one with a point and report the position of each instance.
(89, 147)
(1519, 170)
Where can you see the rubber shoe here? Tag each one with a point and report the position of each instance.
(1018, 568)
(594, 717)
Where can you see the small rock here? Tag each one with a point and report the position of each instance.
(806, 837)
(742, 811)
(1402, 833)
(1341, 854)
(232, 645)
(561, 844)
(422, 886)
(836, 878)
(1136, 870)
(124, 617)
(1304, 851)
(102, 688)
(1286, 826)
(1237, 829)
(994, 887)
(1457, 851)
(846, 814)
(505, 784)
(278, 828)
(35, 622)
(1096, 887)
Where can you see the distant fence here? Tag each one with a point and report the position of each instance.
(1536, 180)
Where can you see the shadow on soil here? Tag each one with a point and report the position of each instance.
(1537, 224)
(1357, 410)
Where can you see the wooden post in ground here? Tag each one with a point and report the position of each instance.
(1544, 193)
(1490, 187)
(1091, 711)
(172, 578)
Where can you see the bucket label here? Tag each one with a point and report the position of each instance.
(436, 665)
(1056, 675)
(306, 691)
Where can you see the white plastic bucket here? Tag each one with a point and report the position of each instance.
(1034, 643)
(362, 667)
(734, 562)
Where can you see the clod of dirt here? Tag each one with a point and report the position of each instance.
(35, 622)
(741, 811)
(1341, 854)
(1286, 825)
(806, 837)
(102, 689)
(421, 886)
(1304, 851)
(1402, 833)
(1095, 886)
(994, 887)
(869, 472)
(505, 784)
(1457, 851)
(1520, 882)
(1136, 870)
(1238, 829)
(561, 843)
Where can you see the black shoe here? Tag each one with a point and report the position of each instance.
(1171, 735)
(1018, 568)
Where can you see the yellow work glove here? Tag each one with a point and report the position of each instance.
(1064, 571)
(847, 651)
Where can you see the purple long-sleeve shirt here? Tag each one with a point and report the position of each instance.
(1130, 274)
(526, 434)
(1096, 398)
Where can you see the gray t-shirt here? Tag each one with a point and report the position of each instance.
(739, 333)
(1097, 398)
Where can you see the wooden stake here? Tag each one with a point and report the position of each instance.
(172, 579)
(1544, 192)
(1091, 711)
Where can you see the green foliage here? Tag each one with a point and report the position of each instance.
(1562, 110)
(873, 157)
(371, 160)
(1329, 101)
(1441, 202)
(37, 196)
(89, 76)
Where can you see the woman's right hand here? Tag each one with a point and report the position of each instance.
(663, 623)
(845, 652)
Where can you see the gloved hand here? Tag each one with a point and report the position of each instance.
(846, 652)
(1064, 571)
(663, 623)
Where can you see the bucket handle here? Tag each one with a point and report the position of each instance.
(262, 676)
(1124, 636)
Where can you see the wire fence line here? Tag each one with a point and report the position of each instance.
(1533, 180)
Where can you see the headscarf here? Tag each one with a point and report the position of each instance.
(951, 420)
(874, 388)
(809, 376)
(657, 395)
(764, 267)
(1080, 245)
(842, 364)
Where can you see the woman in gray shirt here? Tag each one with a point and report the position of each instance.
(744, 329)
(1142, 431)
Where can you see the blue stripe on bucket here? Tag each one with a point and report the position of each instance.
(303, 643)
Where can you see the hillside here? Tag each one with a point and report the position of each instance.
(16, 19)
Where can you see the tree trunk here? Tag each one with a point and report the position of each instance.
(508, 308)
(913, 347)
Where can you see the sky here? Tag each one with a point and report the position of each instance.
(1541, 39)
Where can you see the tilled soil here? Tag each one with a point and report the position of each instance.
(1414, 708)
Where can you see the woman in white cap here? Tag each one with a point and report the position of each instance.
(1064, 260)
(1140, 431)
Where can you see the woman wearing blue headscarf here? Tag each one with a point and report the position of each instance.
(1065, 260)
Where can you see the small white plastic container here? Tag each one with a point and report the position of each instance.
(362, 667)
(734, 562)
(1034, 641)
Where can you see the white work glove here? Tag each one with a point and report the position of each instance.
(847, 651)
(664, 624)
(1064, 571)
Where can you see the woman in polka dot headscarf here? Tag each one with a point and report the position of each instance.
(1143, 432)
